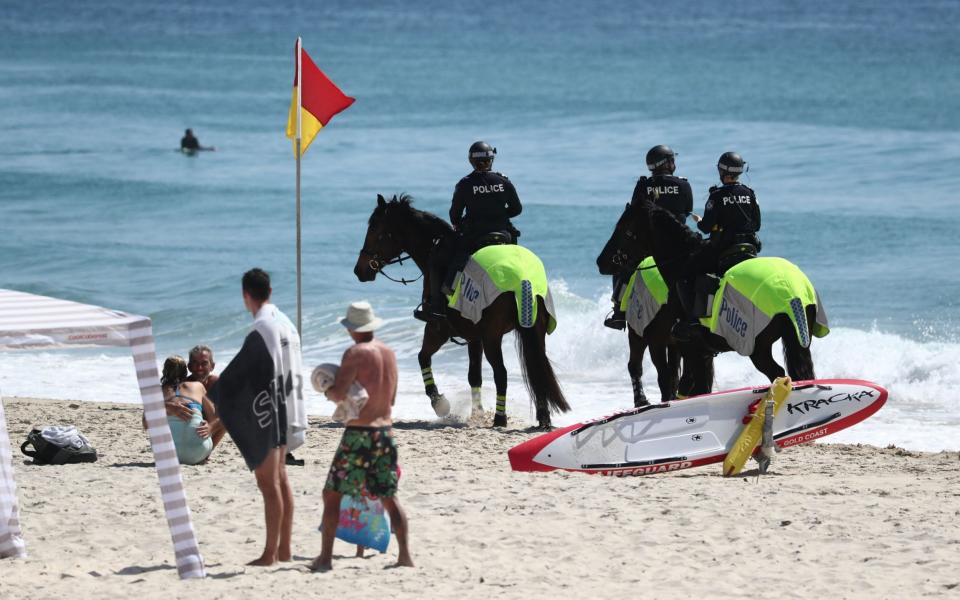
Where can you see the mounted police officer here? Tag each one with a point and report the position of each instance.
(664, 189)
(483, 204)
(732, 219)
(731, 215)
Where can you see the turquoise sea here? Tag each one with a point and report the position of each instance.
(847, 111)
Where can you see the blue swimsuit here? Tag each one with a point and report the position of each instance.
(191, 448)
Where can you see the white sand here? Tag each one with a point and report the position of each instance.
(830, 521)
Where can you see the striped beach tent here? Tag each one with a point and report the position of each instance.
(30, 321)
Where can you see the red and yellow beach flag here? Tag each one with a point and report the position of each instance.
(317, 96)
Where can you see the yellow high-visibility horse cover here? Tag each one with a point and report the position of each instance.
(493, 270)
(752, 292)
(644, 295)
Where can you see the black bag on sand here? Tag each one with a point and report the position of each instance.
(47, 453)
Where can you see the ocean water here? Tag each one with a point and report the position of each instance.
(848, 112)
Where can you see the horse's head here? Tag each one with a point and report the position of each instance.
(627, 245)
(380, 245)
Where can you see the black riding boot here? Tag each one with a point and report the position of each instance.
(434, 308)
(688, 327)
(618, 319)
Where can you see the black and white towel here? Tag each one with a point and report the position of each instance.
(259, 396)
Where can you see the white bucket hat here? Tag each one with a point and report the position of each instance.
(360, 318)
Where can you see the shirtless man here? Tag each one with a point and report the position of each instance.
(201, 370)
(368, 439)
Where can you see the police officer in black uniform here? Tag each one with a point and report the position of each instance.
(732, 219)
(731, 215)
(483, 204)
(664, 189)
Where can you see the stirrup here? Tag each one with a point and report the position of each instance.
(617, 320)
(428, 314)
(684, 331)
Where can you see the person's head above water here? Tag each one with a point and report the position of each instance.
(188, 133)
(481, 156)
(174, 371)
(256, 289)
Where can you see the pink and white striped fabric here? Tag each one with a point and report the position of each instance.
(32, 321)
(11, 540)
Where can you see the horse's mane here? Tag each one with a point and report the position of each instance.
(402, 206)
(666, 225)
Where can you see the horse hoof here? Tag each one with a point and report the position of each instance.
(440, 405)
(500, 420)
(640, 403)
(476, 403)
(546, 427)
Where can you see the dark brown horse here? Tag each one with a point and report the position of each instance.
(395, 228)
(625, 248)
(655, 232)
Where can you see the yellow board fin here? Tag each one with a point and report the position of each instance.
(752, 432)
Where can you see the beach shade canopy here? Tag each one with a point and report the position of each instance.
(30, 321)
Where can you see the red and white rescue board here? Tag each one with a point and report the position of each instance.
(696, 431)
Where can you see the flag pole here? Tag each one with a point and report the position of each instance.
(299, 122)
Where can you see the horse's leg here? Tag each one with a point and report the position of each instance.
(798, 359)
(762, 356)
(697, 369)
(672, 381)
(434, 336)
(474, 374)
(638, 346)
(666, 371)
(494, 354)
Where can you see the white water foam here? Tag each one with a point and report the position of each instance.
(922, 413)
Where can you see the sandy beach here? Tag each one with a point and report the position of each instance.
(832, 521)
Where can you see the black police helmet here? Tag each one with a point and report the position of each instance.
(731, 163)
(481, 150)
(659, 156)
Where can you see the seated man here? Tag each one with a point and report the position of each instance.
(201, 366)
(483, 204)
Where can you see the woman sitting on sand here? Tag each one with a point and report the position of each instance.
(190, 414)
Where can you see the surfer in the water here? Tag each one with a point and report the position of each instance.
(190, 144)
(732, 219)
(483, 204)
(664, 189)
(366, 459)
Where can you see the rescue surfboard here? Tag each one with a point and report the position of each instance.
(697, 431)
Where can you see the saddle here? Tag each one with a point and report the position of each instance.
(493, 238)
(734, 255)
(706, 285)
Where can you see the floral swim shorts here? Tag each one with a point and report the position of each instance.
(365, 462)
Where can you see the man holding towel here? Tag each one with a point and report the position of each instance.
(367, 455)
(259, 399)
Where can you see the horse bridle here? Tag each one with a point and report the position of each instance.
(377, 263)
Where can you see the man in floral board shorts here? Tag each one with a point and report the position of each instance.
(366, 458)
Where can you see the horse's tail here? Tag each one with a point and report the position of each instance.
(537, 370)
(796, 343)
